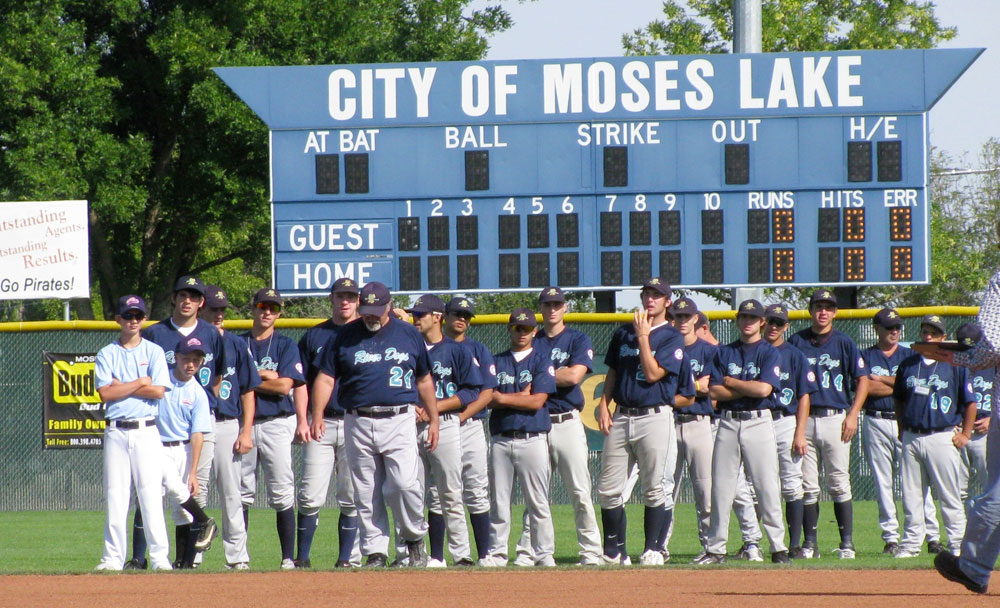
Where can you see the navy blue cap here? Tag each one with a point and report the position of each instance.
(427, 303)
(551, 294)
(189, 283)
(215, 297)
(459, 306)
(684, 306)
(823, 295)
(752, 308)
(345, 285)
(934, 321)
(191, 345)
(658, 285)
(968, 334)
(776, 311)
(702, 320)
(131, 302)
(374, 298)
(523, 317)
(268, 294)
(888, 318)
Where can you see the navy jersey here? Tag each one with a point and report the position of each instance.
(880, 365)
(631, 387)
(276, 353)
(569, 347)
(240, 375)
(982, 388)
(487, 369)
(759, 362)
(376, 369)
(166, 335)
(837, 363)
(311, 347)
(797, 379)
(514, 376)
(455, 371)
(947, 389)
(700, 355)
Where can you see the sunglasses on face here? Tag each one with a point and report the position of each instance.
(133, 316)
(523, 329)
(462, 316)
(272, 308)
(776, 322)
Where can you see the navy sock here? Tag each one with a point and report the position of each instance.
(286, 532)
(612, 519)
(246, 518)
(195, 510)
(481, 532)
(181, 536)
(189, 551)
(661, 540)
(138, 537)
(622, 532)
(347, 533)
(810, 519)
(435, 534)
(794, 515)
(306, 530)
(652, 525)
(844, 511)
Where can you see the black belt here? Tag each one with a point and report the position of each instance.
(779, 414)
(389, 413)
(823, 412)
(557, 418)
(450, 414)
(131, 425)
(743, 414)
(174, 444)
(222, 417)
(916, 431)
(335, 415)
(519, 434)
(883, 414)
(685, 418)
(640, 411)
(272, 417)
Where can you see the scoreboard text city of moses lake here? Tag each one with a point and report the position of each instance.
(706, 170)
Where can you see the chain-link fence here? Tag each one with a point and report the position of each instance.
(33, 478)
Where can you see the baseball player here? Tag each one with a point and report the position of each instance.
(648, 374)
(475, 473)
(279, 418)
(457, 383)
(232, 434)
(974, 459)
(880, 431)
(131, 376)
(791, 414)
(326, 455)
(519, 425)
(932, 398)
(572, 357)
(183, 420)
(381, 369)
(833, 419)
(744, 375)
(704, 331)
(187, 299)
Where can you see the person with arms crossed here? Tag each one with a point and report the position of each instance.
(326, 454)
(833, 420)
(519, 425)
(974, 456)
(279, 418)
(381, 370)
(648, 375)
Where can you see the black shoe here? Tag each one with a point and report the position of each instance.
(342, 563)
(417, 553)
(465, 562)
(780, 557)
(375, 560)
(934, 547)
(796, 553)
(208, 531)
(135, 564)
(947, 565)
(302, 563)
(890, 548)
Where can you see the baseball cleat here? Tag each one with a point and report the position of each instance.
(105, 567)
(287, 564)
(400, 561)
(302, 563)
(626, 560)
(163, 566)
(238, 566)
(376, 560)
(666, 555)
(810, 550)
(208, 531)
(342, 563)
(890, 548)
(436, 563)
(845, 551)
(611, 561)
(492, 562)
(711, 559)
(751, 552)
(417, 553)
(934, 547)
(699, 556)
(947, 565)
(524, 560)
(465, 562)
(905, 553)
(651, 557)
(546, 562)
(780, 557)
(135, 564)
(796, 553)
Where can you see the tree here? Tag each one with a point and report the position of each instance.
(114, 101)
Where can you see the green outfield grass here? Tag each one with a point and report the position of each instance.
(50, 542)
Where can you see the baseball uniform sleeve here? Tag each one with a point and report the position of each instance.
(770, 369)
(246, 371)
(582, 352)
(103, 376)
(611, 357)
(717, 367)
(543, 376)
(805, 378)
(487, 368)
(201, 422)
(685, 379)
(159, 373)
(422, 361)
(467, 376)
(966, 393)
(289, 365)
(858, 368)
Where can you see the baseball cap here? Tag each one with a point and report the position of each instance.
(752, 308)
(189, 283)
(968, 334)
(523, 316)
(888, 318)
(702, 320)
(551, 294)
(268, 294)
(374, 298)
(684, 306)
(191, 345)
(460, 305)
(345, 285)
(131, 302)
(934, 321)
(215, 297)
(657, 285)
(427, 303)
(776, 311)
(822, 295)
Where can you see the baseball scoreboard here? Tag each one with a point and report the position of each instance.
(752, 170)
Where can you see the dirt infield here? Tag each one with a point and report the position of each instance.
(510, 588)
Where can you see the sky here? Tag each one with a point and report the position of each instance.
(960, 123)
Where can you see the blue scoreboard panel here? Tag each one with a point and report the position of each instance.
(709, 171)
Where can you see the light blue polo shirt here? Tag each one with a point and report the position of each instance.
(115, 362)
(183, 411)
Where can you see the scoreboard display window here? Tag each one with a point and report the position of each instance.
(707, 170)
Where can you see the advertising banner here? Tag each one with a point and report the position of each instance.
(44, 250)
(73, 413)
